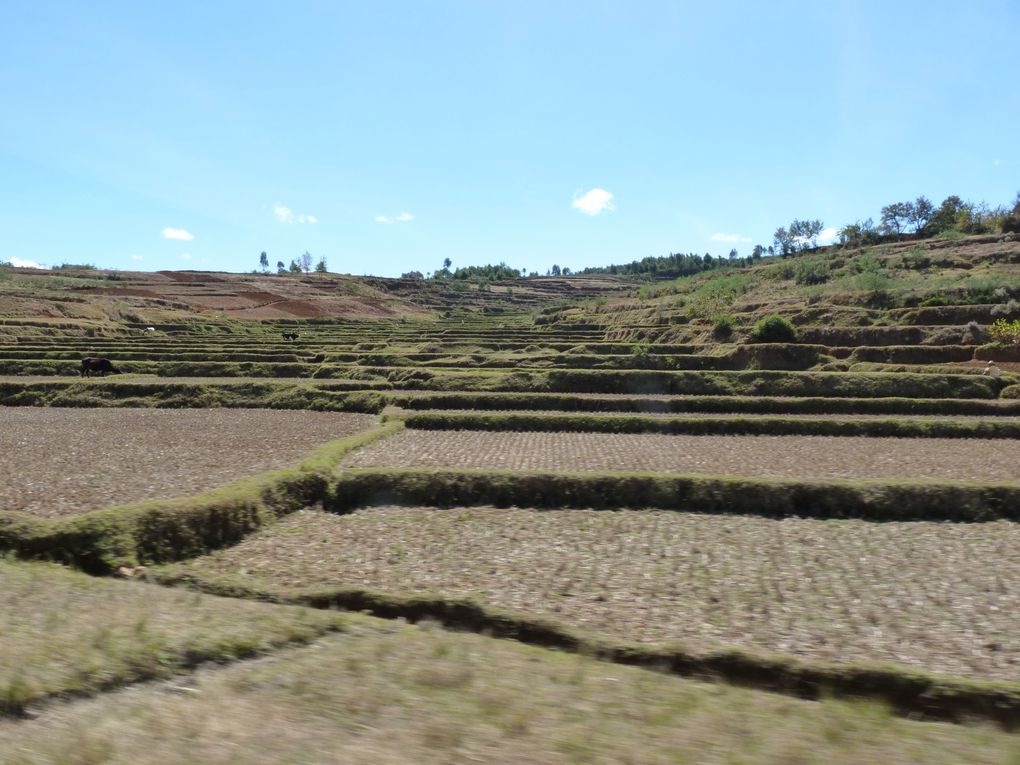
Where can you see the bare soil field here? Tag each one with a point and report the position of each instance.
(932, 595)
(387, 694)
(804, 457)
(65, 461)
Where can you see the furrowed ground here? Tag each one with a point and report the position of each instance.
(930, 595)
(761, 456)
(829, 511)
(72, 461)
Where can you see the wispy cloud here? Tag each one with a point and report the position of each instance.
(185, 256)
(136, 257)
(730, 238)
(177, 233)
(593, 202)
(22, 263)
(404, 217)
(285, 215)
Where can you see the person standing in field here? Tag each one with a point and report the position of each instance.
(992, 370)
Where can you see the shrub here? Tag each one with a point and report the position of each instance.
(973, 332)
(1011, 392)
(640, 350)
(811, 272)
(774, 329)
(1010, 308)
(722, 325)
(1006, 332)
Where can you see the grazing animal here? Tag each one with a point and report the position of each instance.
(150, 329)
(94, 364)
(290, 335)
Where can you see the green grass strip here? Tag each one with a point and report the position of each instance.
(714, 404)
(771, 426)
(774, 498)
(158, 531)
(907, 691)
(715, 383)
(153, 393)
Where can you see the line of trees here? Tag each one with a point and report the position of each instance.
(297, 265)
(915, 219)
(921, 219)
(677, 264)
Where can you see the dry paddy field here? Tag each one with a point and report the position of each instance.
(931, 595)
(801, 457)
(65, 461)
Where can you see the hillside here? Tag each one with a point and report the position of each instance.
(942, 295)
(106, 299)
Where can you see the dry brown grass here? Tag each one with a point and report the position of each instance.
(931, 595)
(760, 456)
(64, 632)
(67, 461)
(399, 694)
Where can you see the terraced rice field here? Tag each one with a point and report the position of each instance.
(806, 603)
(810, 457)
(69, 461)
(935, 596)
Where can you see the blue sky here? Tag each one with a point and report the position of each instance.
(388, 136)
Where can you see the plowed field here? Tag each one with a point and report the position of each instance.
(65, 461)
(937, 596)
(807, 457)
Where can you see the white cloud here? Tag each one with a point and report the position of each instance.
(730, 238)
(825, 236)
(185, 256)
(594, 202)
(136, 257)
(21, 263)
(285, 215)
(177, 233)
(828, 235)
(404, 217)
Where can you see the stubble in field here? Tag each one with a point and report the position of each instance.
(803, 457)
(66, 461)
(937, 596)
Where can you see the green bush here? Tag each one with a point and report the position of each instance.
(1006, 332)
(1011, 392)
(811, 272)
(722, 325)
(774, 329)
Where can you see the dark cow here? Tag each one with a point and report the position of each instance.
(290, 335)
(95, 365)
